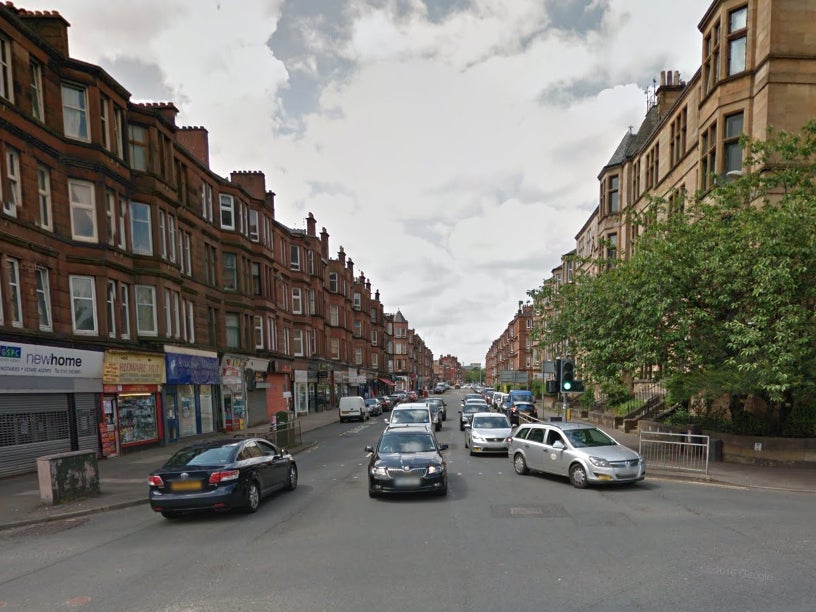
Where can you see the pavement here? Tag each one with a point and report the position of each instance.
(123, 479)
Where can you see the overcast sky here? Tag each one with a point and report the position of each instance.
(451, 147)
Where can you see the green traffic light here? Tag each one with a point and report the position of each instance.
(567, 385)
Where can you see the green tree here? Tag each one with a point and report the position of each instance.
(718, 294)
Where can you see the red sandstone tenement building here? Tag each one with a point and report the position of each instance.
(143, 297)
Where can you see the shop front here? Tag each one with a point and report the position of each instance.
(244, 392)
(49, 401)
(131, 408)
(305, 390)
(193, 380)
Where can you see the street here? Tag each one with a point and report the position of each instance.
(498, 541)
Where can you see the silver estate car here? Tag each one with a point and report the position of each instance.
(583, 453)
(487, 432)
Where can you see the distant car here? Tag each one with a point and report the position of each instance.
(219, 475)
(583, 453)
(436, 415)
(470, 396)
(443, 407)
(407, 460)
(374, 406)
(415, 413)
(487, 433)
(439, 389)
(468, 410)
(386, 402)
(520, 408)
(353, 407)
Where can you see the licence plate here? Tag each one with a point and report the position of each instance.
(407, 481)
(186, 485)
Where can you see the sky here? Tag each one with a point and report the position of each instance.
(450, 147)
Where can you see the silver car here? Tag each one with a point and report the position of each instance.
(583, 453)
(487, 433)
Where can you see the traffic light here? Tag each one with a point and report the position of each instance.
(567, 377)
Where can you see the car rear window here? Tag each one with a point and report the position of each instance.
(410, 416)
(494, 422)
(218, 455)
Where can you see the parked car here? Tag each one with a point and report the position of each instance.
(583, 453)
(374, 406)
(436, 415)
(470, 396)
(407, 459)
(439, 389)
(487, 432)
(443, 407)
(353, 407)
(220, 475)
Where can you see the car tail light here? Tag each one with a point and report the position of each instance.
(155, 481)
(224, 476)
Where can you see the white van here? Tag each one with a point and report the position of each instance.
(353, 407)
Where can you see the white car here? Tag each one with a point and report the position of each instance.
(487, 432)
(412, 413)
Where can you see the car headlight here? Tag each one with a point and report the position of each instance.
(434, 469)
(598, 462)
(476, 436)
(379, 471)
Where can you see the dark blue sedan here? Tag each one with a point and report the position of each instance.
(220, 475)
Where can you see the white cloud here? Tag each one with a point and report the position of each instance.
(454, 160)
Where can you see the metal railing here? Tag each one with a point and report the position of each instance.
(677, 451)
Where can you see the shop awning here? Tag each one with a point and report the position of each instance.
(390, 383)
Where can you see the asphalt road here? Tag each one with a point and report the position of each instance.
(499, 541)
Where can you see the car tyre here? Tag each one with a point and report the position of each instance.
(292, 478)
(439, 427)
(520, 465)
(443, 491)
(252, 497)
(578, 476)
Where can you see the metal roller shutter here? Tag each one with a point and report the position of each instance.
(32, 426)
(86, 410)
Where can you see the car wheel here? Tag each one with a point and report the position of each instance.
(252, 497)
(519, 464)
(443, 491)
(439, 427)
(444, 417)
(461, 427)
(578, 476)
(169, 515)
(472, 454)
(292, 478)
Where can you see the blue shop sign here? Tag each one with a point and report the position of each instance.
(185, 369)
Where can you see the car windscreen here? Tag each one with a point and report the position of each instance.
(580, 438)
(492, 422)
(407, 443)
(217, 455)
(410, 416)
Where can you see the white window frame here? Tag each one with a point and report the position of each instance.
(358, 355)
(357, 300)
(124, 292)
(6, 77)
(84, 208)
(80, 286)
(335, 348)
(206, 201)
(37, 101)
(297, 343)
(254, 228)
(138, 223)
(162, 234)
(375, 361)
(333, 282)
(75, 114)
(294, 257)
(140, 292)
(171, 238)
(226, 205)
(15, 292)
(258, 332)
(14, 196)
(334, 315)
(43, 289)
(44, 197)
(374, 337)
(138, 162)
(122, 224)
(111, 303)
(297, 300)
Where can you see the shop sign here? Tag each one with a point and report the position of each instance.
(189, 369)
(17, 359)
(301, 376)
(133, 369)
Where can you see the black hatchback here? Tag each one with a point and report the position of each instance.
(220, 475)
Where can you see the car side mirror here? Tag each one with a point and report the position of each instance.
(467, 426)
(558, 444)
(369, 449)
